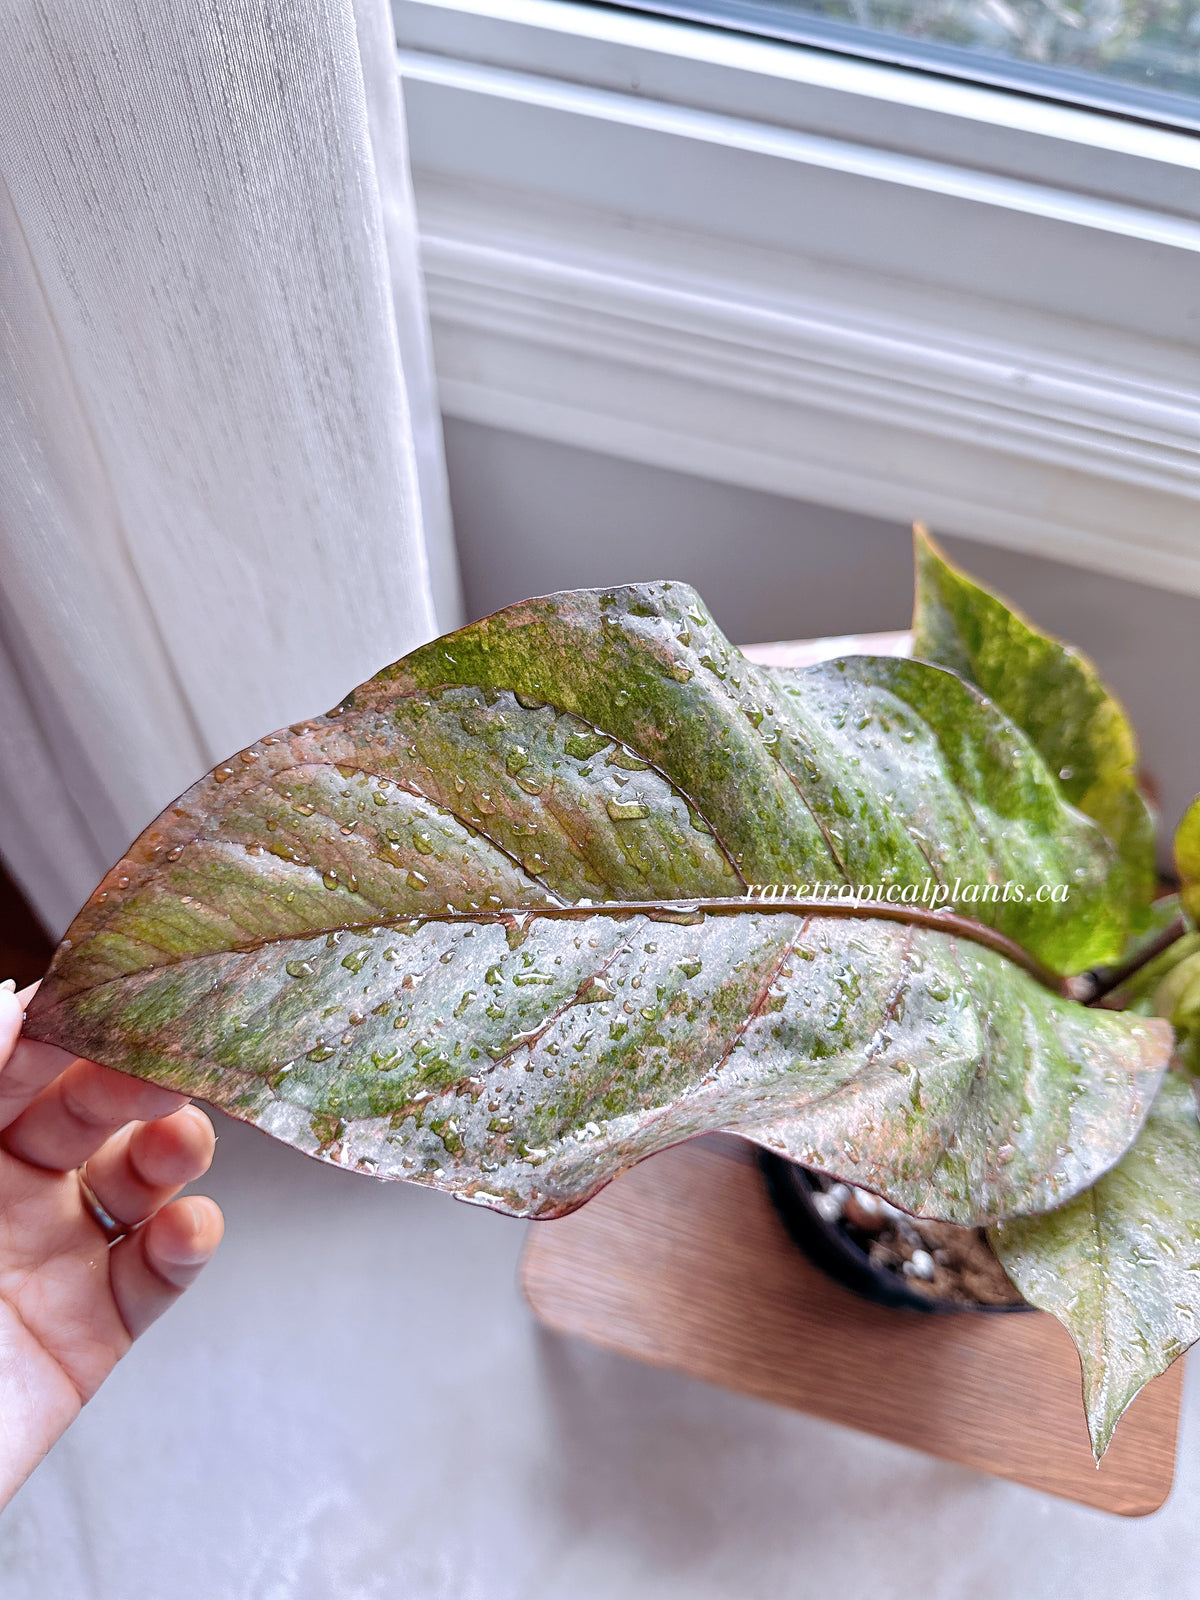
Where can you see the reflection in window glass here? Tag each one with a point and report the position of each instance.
(1142, 56)
(1152, 42)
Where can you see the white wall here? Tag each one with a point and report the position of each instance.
(533, 516)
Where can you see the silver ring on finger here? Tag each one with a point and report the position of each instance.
(109, 1226)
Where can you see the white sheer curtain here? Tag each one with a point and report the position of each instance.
(222, 495)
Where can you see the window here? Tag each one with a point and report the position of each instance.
(1138, 57)
(844, 280)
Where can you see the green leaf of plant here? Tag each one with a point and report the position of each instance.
(1168, 985)
(1177, 998)
(1051, 691)
(1164, 919)
(444, 933)
(1119, 1265)
(1187, 859)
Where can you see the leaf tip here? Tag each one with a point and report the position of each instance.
(926, 552)
(935, 580)
(1103, 1414)
(922, 538)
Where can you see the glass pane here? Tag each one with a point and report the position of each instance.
(1152, 42)
(1141, 57)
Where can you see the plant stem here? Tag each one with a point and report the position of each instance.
(1108, 979)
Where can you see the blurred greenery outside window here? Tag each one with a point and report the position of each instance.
(1141, 57)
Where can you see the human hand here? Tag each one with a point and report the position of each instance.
(71, 1306)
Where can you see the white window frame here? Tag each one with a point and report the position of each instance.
(830, 278)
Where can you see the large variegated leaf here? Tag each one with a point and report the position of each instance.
(1050, 690)
(1120, 1264)
(437, 933)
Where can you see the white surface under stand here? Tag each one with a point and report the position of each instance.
(354, 1403)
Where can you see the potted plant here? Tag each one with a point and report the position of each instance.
(580, 881)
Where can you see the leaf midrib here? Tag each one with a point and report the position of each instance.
(952, 925)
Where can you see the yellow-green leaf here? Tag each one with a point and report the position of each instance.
(1187, 859)
(1050, 690)
(1168, 985)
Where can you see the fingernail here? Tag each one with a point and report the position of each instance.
(9, 986)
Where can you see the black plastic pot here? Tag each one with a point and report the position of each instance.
(829, 1247)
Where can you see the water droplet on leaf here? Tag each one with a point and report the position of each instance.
(627, 810)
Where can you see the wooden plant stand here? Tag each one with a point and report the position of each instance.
(683, 1263)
